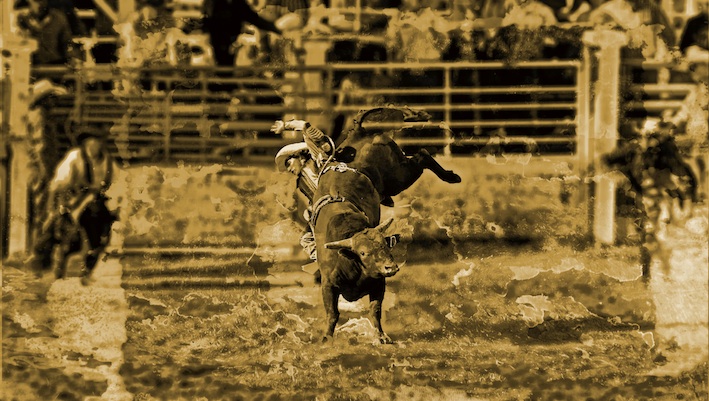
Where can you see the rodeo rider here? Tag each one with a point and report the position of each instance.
(305, 160)
(76, 206)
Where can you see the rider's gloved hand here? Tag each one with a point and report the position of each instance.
(296, 125)
(278, 127)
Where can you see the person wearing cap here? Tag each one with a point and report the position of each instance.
(76, 206)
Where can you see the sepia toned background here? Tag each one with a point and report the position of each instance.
(522, 282)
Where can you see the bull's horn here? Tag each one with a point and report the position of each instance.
(341, 244)
(383, 226)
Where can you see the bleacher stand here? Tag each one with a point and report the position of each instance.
(389, 31)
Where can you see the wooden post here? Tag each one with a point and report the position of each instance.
(583, 130)
(604, 137)
(316, 56)
(583, 113)
(125, 9)
(16, 66)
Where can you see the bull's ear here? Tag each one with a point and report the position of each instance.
(383, 226)
(341, 244)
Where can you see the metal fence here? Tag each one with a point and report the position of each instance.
(208, 114)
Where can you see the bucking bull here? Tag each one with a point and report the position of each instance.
(344, 186)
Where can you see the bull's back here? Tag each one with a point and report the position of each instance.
(355, 188)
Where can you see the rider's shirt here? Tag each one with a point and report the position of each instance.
(77, 174)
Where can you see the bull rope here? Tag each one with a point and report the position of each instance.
(328, 199)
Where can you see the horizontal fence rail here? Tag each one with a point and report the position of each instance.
(488, 106)
(216, 115)
(653, 88)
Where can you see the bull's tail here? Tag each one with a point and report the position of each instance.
(337, 129)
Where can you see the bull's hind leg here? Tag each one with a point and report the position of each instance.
(332, 312)
(376, 298)
(425, 160)
(60, 271)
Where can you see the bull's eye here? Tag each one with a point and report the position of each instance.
(361, 253)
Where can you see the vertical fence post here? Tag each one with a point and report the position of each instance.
(16, 66)
(448, 102)
(605, 127)
(583, 129)
(315, 56)
(167, 124)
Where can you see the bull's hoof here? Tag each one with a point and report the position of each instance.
(327, 339)
(86, 281)
(451, 177)
(385, 339)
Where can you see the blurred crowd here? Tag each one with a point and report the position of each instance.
(241, 32)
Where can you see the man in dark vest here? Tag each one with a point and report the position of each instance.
(76, 207)
(224, 21)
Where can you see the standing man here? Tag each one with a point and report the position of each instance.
(77, 206)
(49, 26)
(224, 21)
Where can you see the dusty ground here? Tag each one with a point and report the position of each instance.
(500, 323)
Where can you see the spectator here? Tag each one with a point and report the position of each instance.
(224, 21)
(67, 8)
(645, 20)
(585, 16)
(287, 14)
(290, 16)
(495, 9)
(376, 23)
(568, 10)
(51, 29)
(153, 17)
(151, 38)
(418, 34)
(696, 30)
(529, 14)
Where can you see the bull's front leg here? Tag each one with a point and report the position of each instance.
(376, 298)
(330, 298)
(425, 160)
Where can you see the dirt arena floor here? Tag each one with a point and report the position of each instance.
(495, 323)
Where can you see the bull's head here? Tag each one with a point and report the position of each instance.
(370, 247)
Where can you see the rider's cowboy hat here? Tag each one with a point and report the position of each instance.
(287, 152)
(86, 132)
